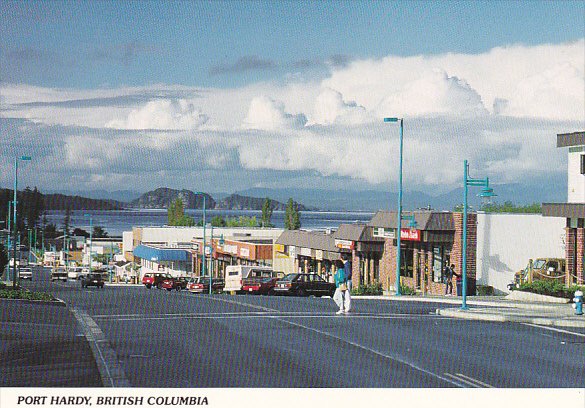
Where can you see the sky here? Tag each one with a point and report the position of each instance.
(224, 96)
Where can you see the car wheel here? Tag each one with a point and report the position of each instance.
(148, 286)
(301, 292)
(159, 286)
(178, 289)
(271, 292)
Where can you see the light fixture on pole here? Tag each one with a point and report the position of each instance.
(90, 238)
(15, 273)
(399, 216)
(486, 192)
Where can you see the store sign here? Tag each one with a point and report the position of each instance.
(344, 244)
(408, 234)
(195, 246)
(245, 252)
(319, 254)
(279, 247)
(207, 250)
(384, 233)
(305, 252)
(231, 249)
(292, 250)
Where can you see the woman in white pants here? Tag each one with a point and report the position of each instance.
(341, 296)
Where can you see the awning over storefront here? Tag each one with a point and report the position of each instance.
(564, 210)
(160, 254)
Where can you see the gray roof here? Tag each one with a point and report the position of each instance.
(425, 220)
(571, 139)
(355, 232)
(308, 239)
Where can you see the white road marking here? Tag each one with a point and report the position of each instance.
(378, 353)
(110, 370)
(555, 329)
(473, 381)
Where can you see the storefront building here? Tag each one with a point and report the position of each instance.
(434, 242)
(223, 252)
(175, 261)
(574, 209)
(305, 251)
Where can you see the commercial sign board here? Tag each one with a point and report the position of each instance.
(384, 233)
(292, 250)
(245, 252)
(344, 244)
(319, 254)
(279, 247)
(305, 252)
(408, 234)
(230, 249)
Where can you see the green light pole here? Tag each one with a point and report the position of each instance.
(90, 238)
(204, 242)
(15, 273)
(399, 216)
(486, 192)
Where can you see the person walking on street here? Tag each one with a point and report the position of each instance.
(448, 278)
(341, 292)
(347, 269)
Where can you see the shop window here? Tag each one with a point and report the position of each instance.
(406, 267)
(583, 164)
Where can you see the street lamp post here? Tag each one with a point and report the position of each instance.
(485, 192)
(90, 238)
(204, 241)
(15, 273)
(399, 217)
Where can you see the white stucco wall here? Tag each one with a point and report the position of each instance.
(576, 180)
(505, 243)
(171, 235)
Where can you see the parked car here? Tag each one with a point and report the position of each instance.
(25, 273)
(304, 284)
(236, 275)
(170, 283)
(200, 284)
(155, 279)
(92, 279)
(263, 286)
(58, 274)
(74, 273)
(182, 282)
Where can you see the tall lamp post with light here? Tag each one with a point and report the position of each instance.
(399, 217)
(204, 241)
(15, 273)
(90, 237)
(486, 192)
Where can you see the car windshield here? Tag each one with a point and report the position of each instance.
(290, 277)
(95, 276)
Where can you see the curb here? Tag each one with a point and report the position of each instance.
(492, 317)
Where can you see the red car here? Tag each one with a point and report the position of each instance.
(155, 279)
(262, 286)
(200, 284)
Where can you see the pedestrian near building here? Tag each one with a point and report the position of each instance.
(348, 272)
(341, 296)
(448, 279)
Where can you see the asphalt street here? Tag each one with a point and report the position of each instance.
(156, 338)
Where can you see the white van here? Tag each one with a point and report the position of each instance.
(235, 275)
(74, 273)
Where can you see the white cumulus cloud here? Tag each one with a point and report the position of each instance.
(268, 114)
(330, 108)
(162, 114)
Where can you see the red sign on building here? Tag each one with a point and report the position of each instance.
(408, 234)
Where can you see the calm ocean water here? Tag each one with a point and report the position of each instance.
(115, 222)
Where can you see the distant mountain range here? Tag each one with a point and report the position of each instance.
(315, 199)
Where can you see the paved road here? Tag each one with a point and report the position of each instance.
(157, 338)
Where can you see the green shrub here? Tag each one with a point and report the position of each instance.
(484, 290)
(407, 290)
(550, 288)
(372, 289)
(24, 294)
(2, 285)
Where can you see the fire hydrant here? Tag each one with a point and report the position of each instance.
(578, 302)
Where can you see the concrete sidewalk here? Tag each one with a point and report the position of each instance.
(532, 309)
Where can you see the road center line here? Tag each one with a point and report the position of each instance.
(554, 329)
(387, 356)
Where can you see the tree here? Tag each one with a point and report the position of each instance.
(218, 221)
(67, 221)
(292, 217)
(99, 232)
(176, 215)
(267, 209)
(3, 258)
